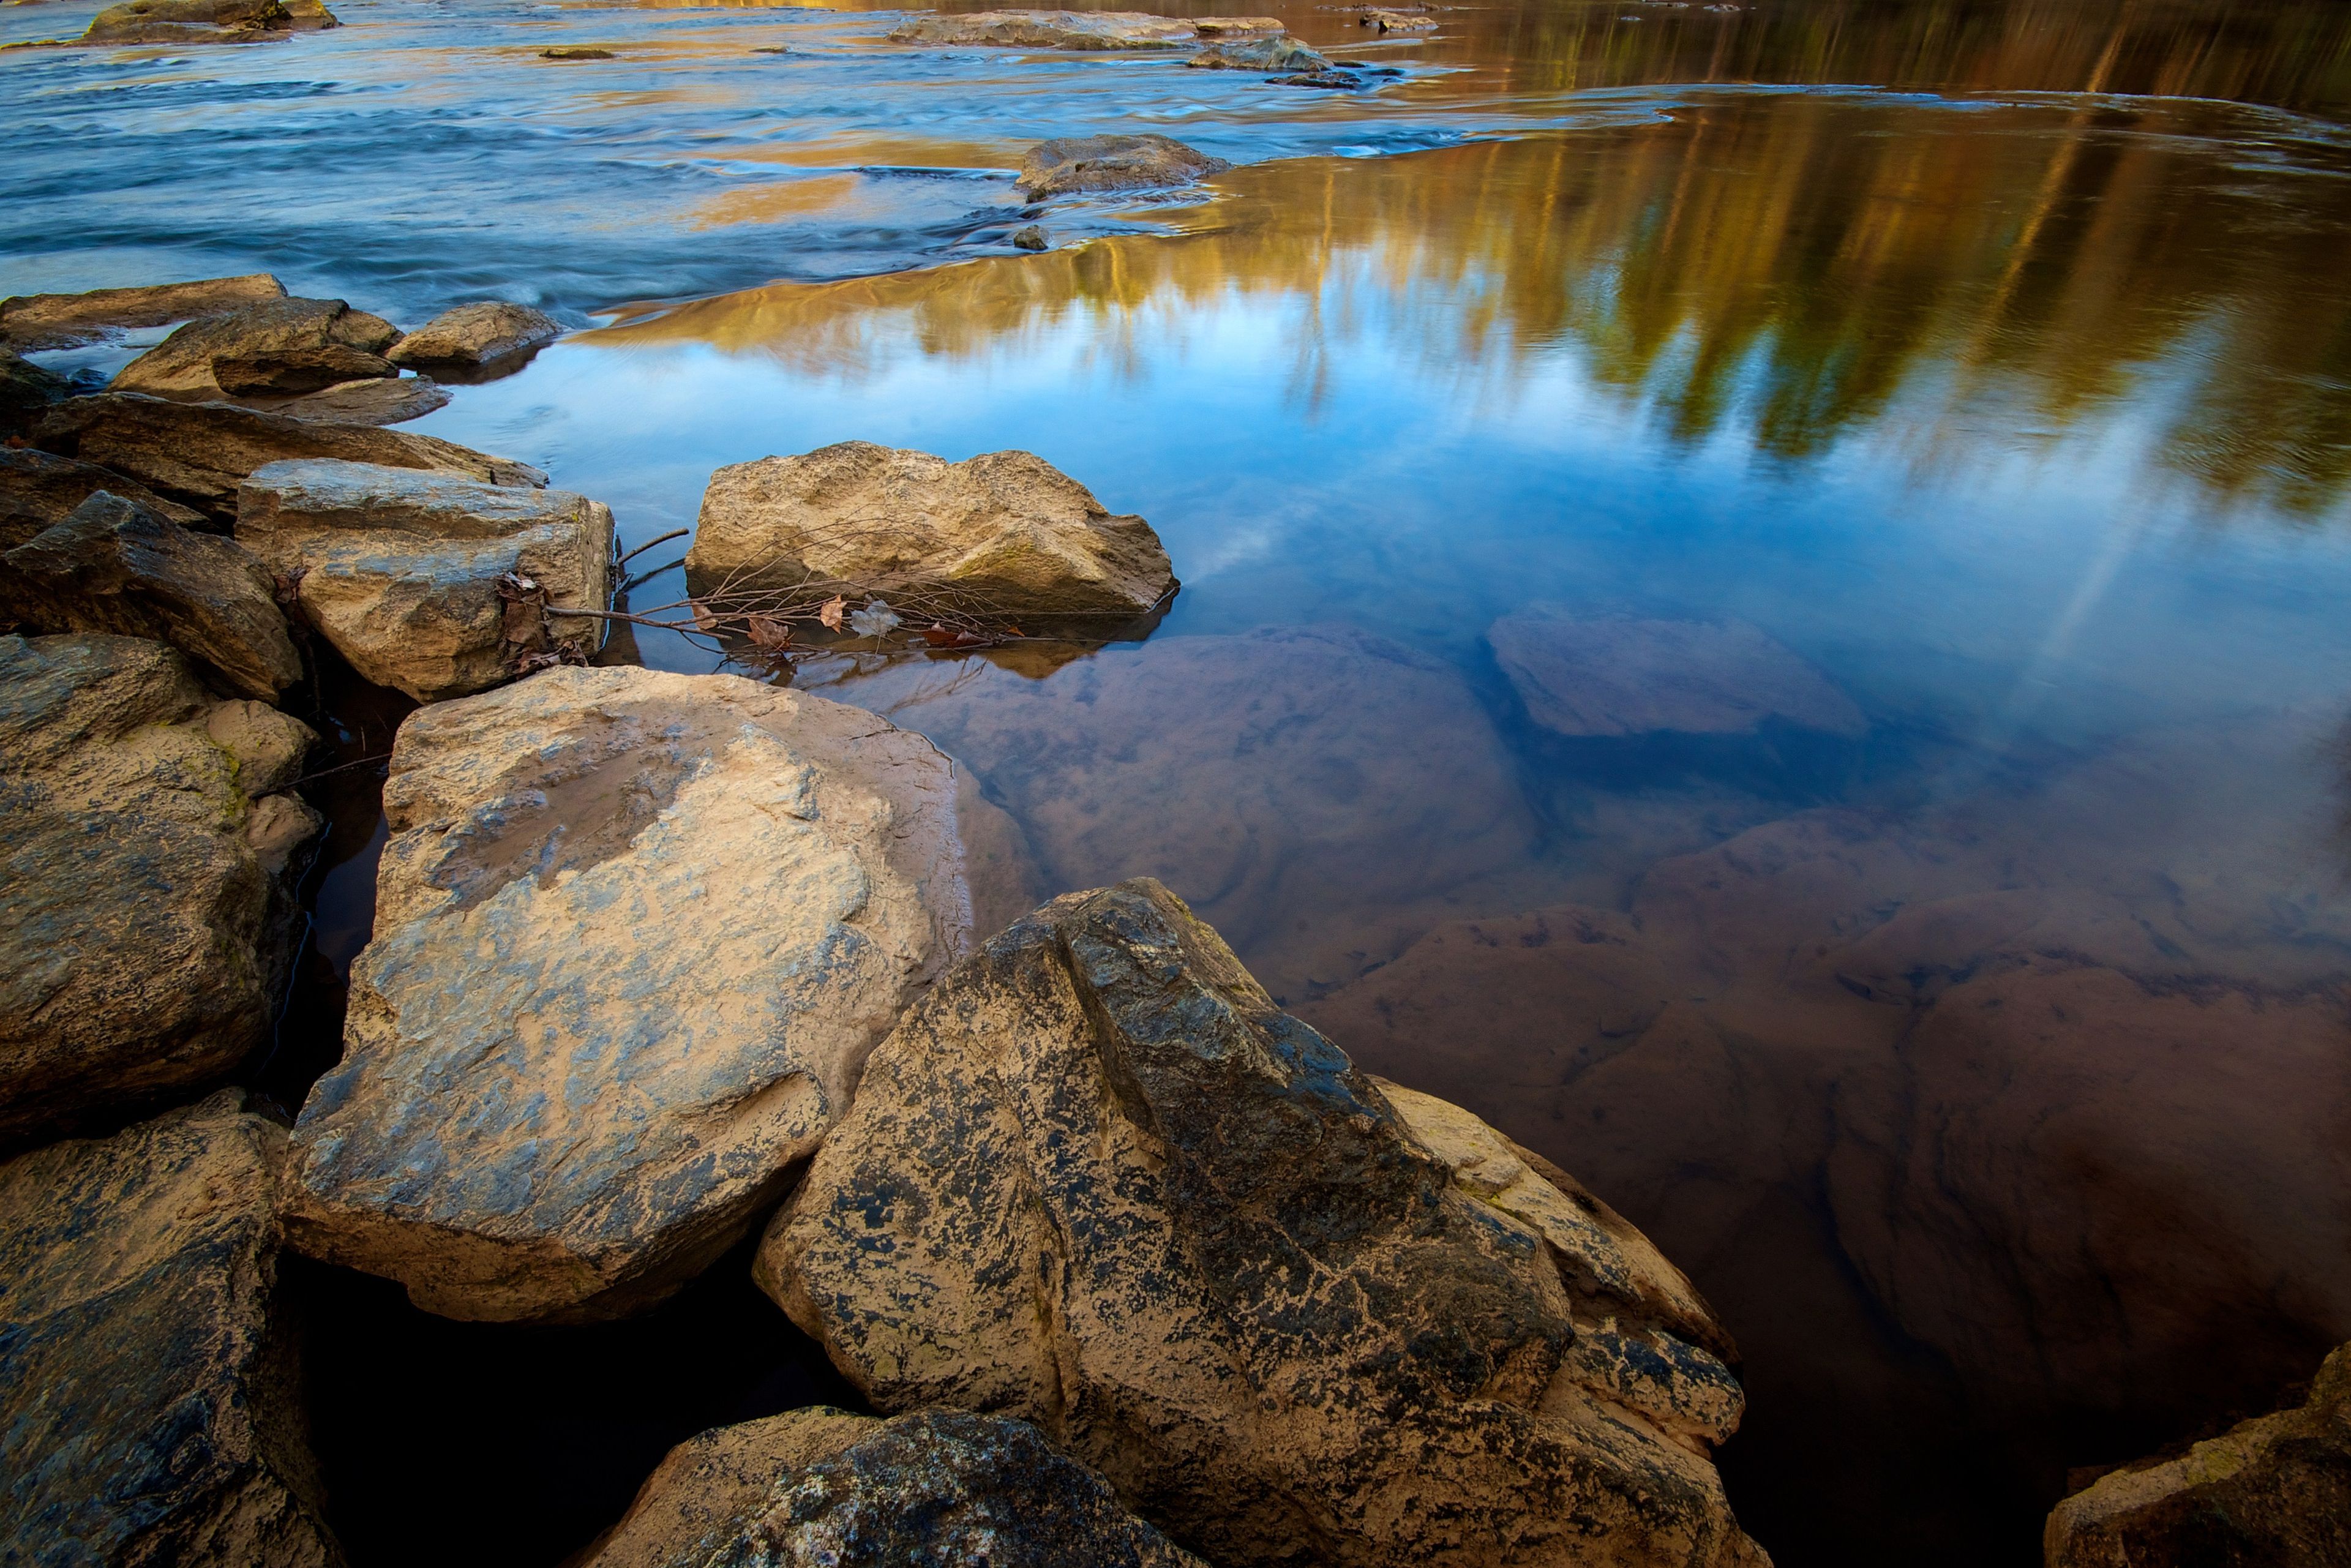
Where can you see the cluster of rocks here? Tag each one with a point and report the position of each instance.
(1220, 43)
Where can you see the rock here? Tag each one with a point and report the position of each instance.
(575, 52)
(1075, 164)
(38, 490)
(388, 400)
(1335, 79)
(2273, 1492)
(115, 566)
(541, 1115)
(149, 1390)
(1005, 533)
(26, 388)
(1617, 676)
(143, 944)
(431, 583)
(470, 338)
(189, 22)
(1397, 22)
(1270, 54)
(1096, 1181)
(277, 347)
(198, 452)
(1031, 239)
(66, 320)
(1238, 26)
(1092, 30)
(821, 1485)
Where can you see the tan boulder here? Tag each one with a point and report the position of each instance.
(1237, 26)
(38, 490)
(143, 938)
(115, 566)
(198, 452)
(431, 583)
(1621, 675)
(1071, 165)
(278, 347)
(1083, 30)
(470, 338)
(1096, 1181)
(149, 1394)
(540, 1113)
(65, 321)
(821, 1485)
(1005, 533)
(383, 400)
(205, 21)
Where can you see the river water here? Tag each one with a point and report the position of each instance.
(1962, 388)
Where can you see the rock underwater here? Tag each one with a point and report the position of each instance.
(1096, 1181)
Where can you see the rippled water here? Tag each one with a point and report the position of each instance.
(1983, 1049)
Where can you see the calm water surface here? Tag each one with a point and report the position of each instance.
(1983, 1049)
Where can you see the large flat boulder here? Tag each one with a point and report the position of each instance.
(634, 935)
(205, 21)
(467, 340)
(38, 490)
(65, 321)
(198, 452)
(1005, 533)
(430, 582)
(380, 399)
(150, 1393)
(1083, 30)
(1617, 676)
(275, 347)
(115, 566)
(823, 1486)
(1097, 1182)
(145, 920)
(1067, 165)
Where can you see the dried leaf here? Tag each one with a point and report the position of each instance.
(288, 584)
(832, 610)
(769, 633)
(938, 636)
(704, 619)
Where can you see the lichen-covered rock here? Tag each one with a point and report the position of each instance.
(38, 490)
(198, 452)
(1083, 30)
(821, 1487)
(1069, 164)
(115, 566)
(143, 939)
(65, 321)
(634, 935)
(471, 336)
(26, 388)
(1621, 675)
(150, 1391)
(430, 582)
(275, 347)
(2272, 1492)
(1005, 533)
(1097, 1181)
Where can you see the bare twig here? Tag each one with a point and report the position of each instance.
(658, 539)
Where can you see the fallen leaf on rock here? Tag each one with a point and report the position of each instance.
(831, 612)
(704, 620)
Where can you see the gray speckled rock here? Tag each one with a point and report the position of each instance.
(938, 1489)
(150, 1399)
(143, 938)
(1097, 1181)
(635, 932)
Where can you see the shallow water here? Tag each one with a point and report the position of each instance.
(1982, 1045)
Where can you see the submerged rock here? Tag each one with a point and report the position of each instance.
(821, 1485)
(65, 321)
(1260, 54)
(150, 1391)
(38, 490)
(115, 566)
(144, 936)
(634, 935)
(279, 347)
(431, 583)
(26, 388)
(2272, 1492)
(1075, 164)
(1096, 1181)
(1096, 30)
(488, 333)
(1005, 533)
(198, 452)
(1618, 675)
(575, 52)
(1335, 79)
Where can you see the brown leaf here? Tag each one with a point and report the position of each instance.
(832, 610)
(938, 636)
(704, 618)
(769, 633)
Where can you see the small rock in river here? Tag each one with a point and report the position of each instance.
(1273, 54)
(575, 52)
(1238, 26)
(488, 335)
(1074, 163)
(1338, 80)
(1031, 239)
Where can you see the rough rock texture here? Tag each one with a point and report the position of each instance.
(38, 490)
(1617, 676)
(471, 336)
(540, 1113)
(143, 940)
(821, 1487)
(1260, 54)
(1237, 26)
(26, 388)
(1398, 22)
(205, 21)
(412, 575)
(197, 453)
(1068, 164)
(1093, 30)
(386, 400)
(278, 347)
(1095, 1180)
(64, 321)
(115, 566)
(2272, 1492)
(1005, 533)
(150, 1399)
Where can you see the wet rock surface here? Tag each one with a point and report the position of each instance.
(115, 566)
(385, 399)
(1259, 54)
(197, 453)
(823, 1486)
(487, 334)
(1003, 534)
(419, 579)
(144, 936)
(1073, 164)
(26, 388)
(64, 321)
(540, 1113)
(205, 21)
(38, 490)
(1085, 30)
(279, 347)
(1096, 1181)
(150, 1403)
(1611, 675)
